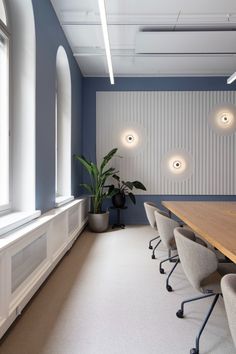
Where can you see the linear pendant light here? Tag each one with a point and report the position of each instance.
(101, 4)
(231, 78)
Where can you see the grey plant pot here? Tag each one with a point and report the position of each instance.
(98, 222)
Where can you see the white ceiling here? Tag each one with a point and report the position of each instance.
(128, 19)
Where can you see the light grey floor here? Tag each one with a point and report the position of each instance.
(107, 297)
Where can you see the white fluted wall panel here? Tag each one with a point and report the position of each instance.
(169, 120)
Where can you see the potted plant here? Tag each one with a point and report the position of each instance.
(97, 218)
(121, 189)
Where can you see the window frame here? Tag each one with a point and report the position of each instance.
(63, 192)
(4, 32)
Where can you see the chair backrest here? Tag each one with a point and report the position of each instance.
(165, 226)
(198, 262)
(228, 286)
(149, 209)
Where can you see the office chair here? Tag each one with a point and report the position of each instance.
(228, 286)
(203, 271)
(166, 228)
(149, 209)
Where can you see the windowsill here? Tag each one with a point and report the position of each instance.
(63, 200)
(16, 219)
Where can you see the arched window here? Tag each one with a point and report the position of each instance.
(63, 128)
(17, 119)
(4, 110)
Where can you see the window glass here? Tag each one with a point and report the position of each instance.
(63, 125)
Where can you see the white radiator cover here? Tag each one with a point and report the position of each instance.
(168, 120)
(29, 254)
(24, 262)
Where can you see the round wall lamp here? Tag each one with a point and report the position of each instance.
(177, 164)
(222, 119)
(129, 138)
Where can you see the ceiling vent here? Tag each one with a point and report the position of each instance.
(186, 42)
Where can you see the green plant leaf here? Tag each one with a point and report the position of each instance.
(94, 170)
(85, 163)
(132, 197)
(112, 193)
(139, 185)
(128, 184)
(109, 172)
(110, 188)
(107, 158)
(116, 177)
(88, 187)
(98, 179)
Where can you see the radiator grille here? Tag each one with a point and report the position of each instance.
(27, 260)
(84, 210)
(73, 220)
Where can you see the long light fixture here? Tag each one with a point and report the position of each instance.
(102, 9)
(231, 78)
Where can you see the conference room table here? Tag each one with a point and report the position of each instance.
(213, 221)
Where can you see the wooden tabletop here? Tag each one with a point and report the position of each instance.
(214, 221)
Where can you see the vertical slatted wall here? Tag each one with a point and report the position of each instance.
(168, 120)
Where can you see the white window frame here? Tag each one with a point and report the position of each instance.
(4, 33)
(63, 112)
(21, 107)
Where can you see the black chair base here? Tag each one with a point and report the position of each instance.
(150, 242)
(180, 314)
(154, 249)
(168, 287)
(161, 270)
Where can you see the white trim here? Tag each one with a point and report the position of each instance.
(16, 219)
(61, 200)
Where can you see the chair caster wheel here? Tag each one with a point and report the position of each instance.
(153, 256)
(180, 314)
(162, 271)
(194, 351)
(150, 247)
(169, 288)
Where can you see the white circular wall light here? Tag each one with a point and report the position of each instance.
(222, 119)
(129, 138)
(177, 164)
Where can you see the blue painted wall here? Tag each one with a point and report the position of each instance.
(49, 36)
(135, 213)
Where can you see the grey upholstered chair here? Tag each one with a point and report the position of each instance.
(228, 286)
(149, 209)
(203, 271)
(166, 227)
